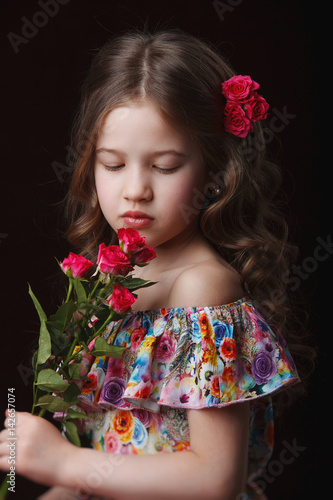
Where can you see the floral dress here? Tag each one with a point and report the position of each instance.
(185, 358)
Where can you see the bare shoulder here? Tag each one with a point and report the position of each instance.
(207, 283)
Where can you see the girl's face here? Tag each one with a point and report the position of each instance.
(149, 176)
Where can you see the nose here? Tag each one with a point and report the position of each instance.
(138, 185)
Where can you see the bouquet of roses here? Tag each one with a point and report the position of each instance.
(76, 329)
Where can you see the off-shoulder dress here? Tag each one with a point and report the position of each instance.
(185, 358)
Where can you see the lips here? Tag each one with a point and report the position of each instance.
(136, 219)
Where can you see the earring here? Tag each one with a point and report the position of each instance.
(216, 191)
(213, 193)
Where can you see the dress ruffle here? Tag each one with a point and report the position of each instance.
(190, 358)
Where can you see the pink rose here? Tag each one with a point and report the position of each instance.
(111, 260)
(145, 417)
(143, 257)
(238, 88)
(256, 107)
(121, 299)
(112, 442)
(75, 266)
(132, 243)
(130, 240)
(236, 121)
(137, 337)
(166, 347)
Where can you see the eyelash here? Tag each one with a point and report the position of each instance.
(165, 171)
(113, 169)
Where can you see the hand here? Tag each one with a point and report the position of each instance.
(35, 447)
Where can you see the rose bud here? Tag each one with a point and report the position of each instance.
(143, 257)
(111, 260)
(121, 299)
(75, 266)
(130, 240)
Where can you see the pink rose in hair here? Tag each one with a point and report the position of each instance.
(236, 121)
(75, 266)
(243, 106)
(121, 299)
(111, 260)
(238, 88)
(256, 107)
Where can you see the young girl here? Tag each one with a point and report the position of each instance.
(172, 145)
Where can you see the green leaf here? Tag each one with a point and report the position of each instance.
(49, 380)
(74, 371)
(41, 313)
(71, 394)
(44, 345)
(52, 403)
(71, 414)
(59, 341)
(136, 283)
(34, 360)
(71, 433)
(63, 315)
(102, 348)
(80, 291)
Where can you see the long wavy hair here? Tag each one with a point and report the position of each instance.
(182, 75)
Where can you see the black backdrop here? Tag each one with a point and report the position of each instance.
(46, 49)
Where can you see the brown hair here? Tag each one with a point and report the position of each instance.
(182, 76)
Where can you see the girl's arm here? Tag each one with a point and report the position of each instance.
(214, 468)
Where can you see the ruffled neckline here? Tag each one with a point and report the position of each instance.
(189, 357)
(165, 310)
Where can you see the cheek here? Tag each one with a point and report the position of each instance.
(183, 203)
(102, 184)
(190, 194)
(105, 197)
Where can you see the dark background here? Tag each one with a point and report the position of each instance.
(281, 45)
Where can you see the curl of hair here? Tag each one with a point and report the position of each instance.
(182, 76)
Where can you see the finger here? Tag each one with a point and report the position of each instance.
(3, 435)
(3, 450)
(14, 418)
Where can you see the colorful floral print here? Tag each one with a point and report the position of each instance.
(184, 358)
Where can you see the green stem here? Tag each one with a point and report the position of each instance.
(70, 288)
(108, 319)
(73, 356)
(34, 390)
(70, 355)
(75, 342)
(4, 488)
(95, 288)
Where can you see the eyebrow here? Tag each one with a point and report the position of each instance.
(154, 153)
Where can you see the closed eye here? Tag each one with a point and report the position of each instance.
(163, 170)
(113, 168)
